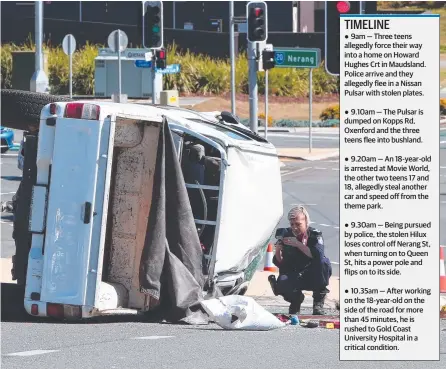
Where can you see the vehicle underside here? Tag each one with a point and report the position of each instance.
(129, 202)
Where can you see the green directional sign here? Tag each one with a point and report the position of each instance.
(297, 58)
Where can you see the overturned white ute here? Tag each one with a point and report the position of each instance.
(93, 197)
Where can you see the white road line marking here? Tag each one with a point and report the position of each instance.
(152, 337)
(31, 353)
(336, 227)
(296, 171)
(335, 262)
(325, 225)
(8, 223)
(9, 155)
(334, 168)
(6, 193)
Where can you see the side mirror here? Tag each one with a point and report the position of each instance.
(229, 117)
(280, 233)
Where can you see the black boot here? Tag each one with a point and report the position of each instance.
(318, 303)
(272, 281)
(296, 303)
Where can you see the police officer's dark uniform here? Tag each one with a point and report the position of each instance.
(298, 272)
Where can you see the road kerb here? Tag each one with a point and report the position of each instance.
(303, 154)
(306, 158)
(260, 289)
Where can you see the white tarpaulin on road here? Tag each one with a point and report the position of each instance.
(240, 313)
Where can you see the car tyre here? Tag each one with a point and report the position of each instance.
(21, 109)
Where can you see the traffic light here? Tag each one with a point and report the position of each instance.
(268, 59)
(256, 14)
(333, 10)
(161, 59)
(153, 24)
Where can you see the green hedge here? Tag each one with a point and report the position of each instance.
(199, 74)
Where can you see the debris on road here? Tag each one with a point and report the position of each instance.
(329, 324)
(241, 313)
(311, 321)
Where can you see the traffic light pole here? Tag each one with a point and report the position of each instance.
(266, 104)
(253, 88)
(153, 77)
(232, 54)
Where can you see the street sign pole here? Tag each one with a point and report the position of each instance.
(69, 46)
(310, 109)
(232, 54)
(71, 71)
(266, 47)
(300, 58)
(117, 42)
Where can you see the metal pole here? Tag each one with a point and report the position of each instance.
(71, 69)
(266, 104)
(153, 77)
(39, 80)
(361, 7)
(80, 11)
(39, 31)
(311, 108)
(118, 46)
(253, 88)
(232, 54)
(174, 16)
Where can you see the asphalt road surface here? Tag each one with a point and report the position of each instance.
(326, 139)
(120, 344)
(10, 179)
(143, 345)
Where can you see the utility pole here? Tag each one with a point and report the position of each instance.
(174, 21)
(39, 80)
(232, 54)
(253, 87)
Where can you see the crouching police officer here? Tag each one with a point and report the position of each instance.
(302, 263)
